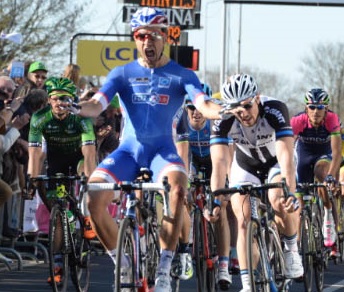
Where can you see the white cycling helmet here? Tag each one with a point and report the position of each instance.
(148, 17)
(237, 88)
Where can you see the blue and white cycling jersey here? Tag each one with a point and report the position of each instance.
(150, 98)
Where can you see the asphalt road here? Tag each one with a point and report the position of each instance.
(32, 278)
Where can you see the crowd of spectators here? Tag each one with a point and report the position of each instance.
(20, 96)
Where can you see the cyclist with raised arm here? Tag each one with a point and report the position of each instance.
(193, 131)
(260, 128)
(318, 148)
(66, 138)
(151, 90)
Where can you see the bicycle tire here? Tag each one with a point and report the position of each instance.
(198, 251)
(256, 265)
(340, 229)
(275, 253)
(80, 262)
(210, 264)
(153, 253)
(125, 248)
(307, 251)
(56, 216)
(321, 257)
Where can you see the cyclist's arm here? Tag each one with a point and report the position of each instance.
(336, 146)
(285, 158)
(92, 108)
(220, 156)
(35, 163)
(89, 153)
(183, 152)
(231, 153)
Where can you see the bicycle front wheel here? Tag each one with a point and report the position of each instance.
(198, 251)
(257, 263)
(320, 258)
(58, 253)
(80, 262)
(126, 251)
(307, 251)
(153, 252)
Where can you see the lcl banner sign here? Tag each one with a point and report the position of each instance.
(99, 57)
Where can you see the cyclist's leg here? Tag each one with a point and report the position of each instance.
(118, 166)
(241, 210)
(171, 226)
(288, 224)
(341, 178)
(330, 218)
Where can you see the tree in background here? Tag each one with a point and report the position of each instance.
(324, 67)
(46, 27)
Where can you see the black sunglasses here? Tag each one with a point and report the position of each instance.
(63, 98)
(246, 106)
(191, 107)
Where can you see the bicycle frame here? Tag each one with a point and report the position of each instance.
(259, 217)
(132, 203)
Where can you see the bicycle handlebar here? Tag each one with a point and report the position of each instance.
(249, 188)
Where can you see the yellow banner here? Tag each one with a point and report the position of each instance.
(100, 57)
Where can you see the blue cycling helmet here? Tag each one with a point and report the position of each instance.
(238, 88)
(148, 17)
(317, 95)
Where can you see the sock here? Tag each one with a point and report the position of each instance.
(112, 255)
(223, 262)
(165, 260)
(183, 247)
(234, 254)
(290, 243)
(245, 280)
(58, 261)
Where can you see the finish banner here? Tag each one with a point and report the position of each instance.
(99, 57)
(289, 2)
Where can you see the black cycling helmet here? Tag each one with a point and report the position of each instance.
(318, 96)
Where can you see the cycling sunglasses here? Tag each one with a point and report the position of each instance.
(246, 106)
(191, 107)
(312, 107)
(63, 98)
(154, 36)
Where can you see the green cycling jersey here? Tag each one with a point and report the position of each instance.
(61, 136)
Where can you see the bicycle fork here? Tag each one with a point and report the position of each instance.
(267, 269)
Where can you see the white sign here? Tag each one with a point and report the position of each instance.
(290, 2)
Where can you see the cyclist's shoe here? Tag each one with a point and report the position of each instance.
(329, 232)
(88, 230)
(182, 266)
(293, 265)
(224, 279)
(163, 281)
(58, 273)
(245, 289)
(235, 269)
(334, 252)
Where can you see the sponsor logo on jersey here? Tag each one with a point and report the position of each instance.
(277, 113)
(109, 161)
(151, 98)
(139, 80)
(164, 82)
